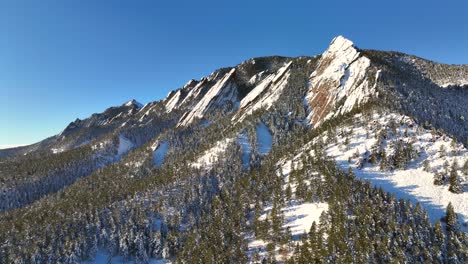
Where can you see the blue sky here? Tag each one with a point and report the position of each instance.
(60, 60)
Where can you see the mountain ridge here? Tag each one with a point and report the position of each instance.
(305, 139)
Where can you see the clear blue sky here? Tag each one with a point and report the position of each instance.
(60, 60)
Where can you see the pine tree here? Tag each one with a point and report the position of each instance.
(465, 168)
(451, 219)
(455, 185)
(442, 151)
(288, 192)
(426, 166)
(270, 248)
(438, 178)
(384, 161)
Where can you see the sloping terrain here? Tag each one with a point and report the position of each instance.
(350, 156)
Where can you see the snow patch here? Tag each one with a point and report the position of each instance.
(412, 183)
(452, 84)
(298, 216)
(134, 102)
(160, 153)
(124, 145)
(172, 103)
(212, 155)
(57, 150)
(103, 257)
(264, 138)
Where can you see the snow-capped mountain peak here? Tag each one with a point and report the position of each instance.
(134, 103)
(342, 74)
(340, 44)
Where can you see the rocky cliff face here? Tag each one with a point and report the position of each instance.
(343, 79)
(282, 134)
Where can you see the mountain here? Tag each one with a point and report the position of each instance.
(349, 156)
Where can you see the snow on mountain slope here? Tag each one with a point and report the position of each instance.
(212, 155)
(265, 93)
(195, 91)
(173, 100)
(103, 257)
(298, 215)
(298, 218)
(124, 145)
(222, 91)
(159, 153)
(176, 98)
(443, 75)
(340, 82)
(414, 182)
(134, 103)
(264, 139)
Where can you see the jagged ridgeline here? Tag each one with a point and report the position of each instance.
(351, 156)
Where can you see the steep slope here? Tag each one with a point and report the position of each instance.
(265, 93)
(237, 167)
(343, 80)
(222, 93)
(415, 87)
(82, 132)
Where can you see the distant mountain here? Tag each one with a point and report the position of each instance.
(349, 156)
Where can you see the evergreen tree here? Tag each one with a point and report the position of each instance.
(426, 166)
(465, 168)
(442, 151)
(438, 178)
(451, 219)
(454, 181)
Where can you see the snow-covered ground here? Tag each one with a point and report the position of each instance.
(102, 257)
(264, 138)
(57, 150)
(212, 155)
(298, 218)
(160, 153)
(124, 145)
(412, 183)
(298, 215)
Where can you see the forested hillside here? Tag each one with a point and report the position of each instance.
(351, 156)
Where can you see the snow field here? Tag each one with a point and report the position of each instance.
(413, 182)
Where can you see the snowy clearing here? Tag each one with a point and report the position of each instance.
(160, 153)
(212, 155)
(124, 145)
(413, 182)
(102, 257)
(298, 216)
(264, 138)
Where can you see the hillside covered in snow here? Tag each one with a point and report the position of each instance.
(349, 156)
